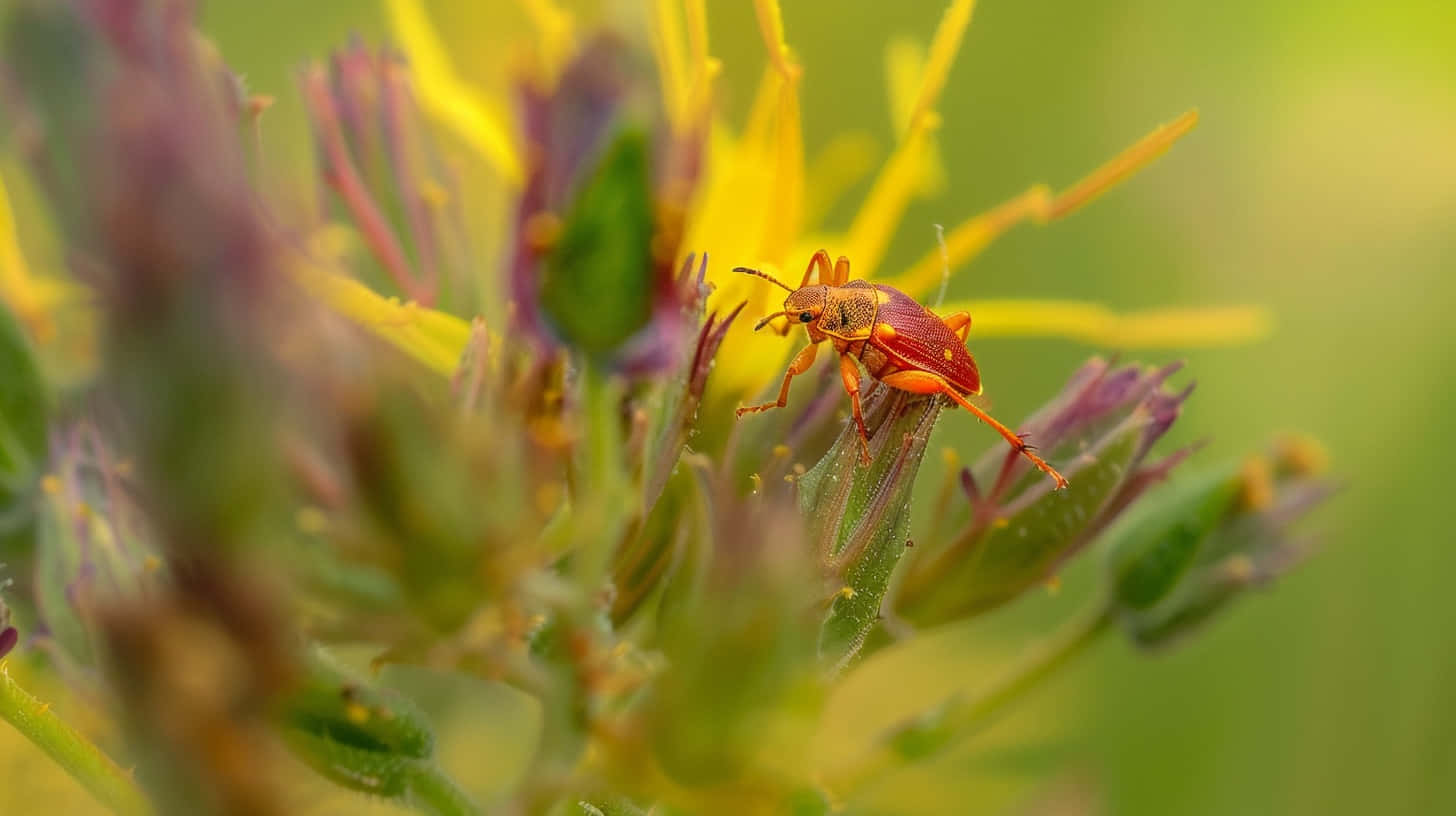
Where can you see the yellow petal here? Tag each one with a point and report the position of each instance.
(785, 201)
(704, 67)
(14, 273)
(1123, 165)
(943, 51)
(967, 239)
(667, 50)
(554, 25)
(771, 27)
(434, 338)
(31, 298)
(1096, 325)
(837, 167)
(446, 96)
(904, 66)
(878, 217)
(904, 74)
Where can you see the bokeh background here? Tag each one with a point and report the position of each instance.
(1320, 183)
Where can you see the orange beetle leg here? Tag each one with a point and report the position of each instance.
(959, 323)
(924, 382)
(797, 366)
(849, 371)
(819, 263)
(841, 272)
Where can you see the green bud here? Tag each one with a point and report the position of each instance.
(1197, 544)
(859, 515)
(366, 738)
(1018, 534)
(597, 284)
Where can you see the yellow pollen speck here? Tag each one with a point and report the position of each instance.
(542, 229)
(1054, 584)
(781, 451)
(151, 563)
(311, 520)
(948, 355)
(1240, 568)
(846, 592)
(757, 482)
(1257, 483)
(1001, 523)
(51, 485)
(357, 713)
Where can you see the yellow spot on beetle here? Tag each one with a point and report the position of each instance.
(948, 355)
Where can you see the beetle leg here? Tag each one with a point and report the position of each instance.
(924, 382)
(841, 271)
(797, 366)
(819, 263)
(959, 323)
(849, 372)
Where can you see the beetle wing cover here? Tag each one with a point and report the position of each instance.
(922, 341)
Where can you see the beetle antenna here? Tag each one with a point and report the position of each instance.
(764, 322)
(766, 276)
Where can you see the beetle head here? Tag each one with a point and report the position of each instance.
(805, 305)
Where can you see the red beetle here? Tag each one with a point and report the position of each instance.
(899, 342)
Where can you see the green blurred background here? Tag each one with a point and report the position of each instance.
(1321, 182)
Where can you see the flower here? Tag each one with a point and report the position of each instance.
(767, 153)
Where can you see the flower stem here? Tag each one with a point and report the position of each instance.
(111, 786)
(960, 717)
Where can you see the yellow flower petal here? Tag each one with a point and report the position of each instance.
(771, 27)
(1096, 325)
(968, 238)
(904, 74)
(973, 235)
(837, 167)
(785, 201)
(943, 51)
(1123, 165)
(869, 234)
(446, 96)
(15, 283)
(434, 338)
(667, 50)
(554, 25)
(33, 299)
(704, 67)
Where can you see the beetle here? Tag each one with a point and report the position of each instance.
(898, 341)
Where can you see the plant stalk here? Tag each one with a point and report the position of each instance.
(961, 716)
(86, 763)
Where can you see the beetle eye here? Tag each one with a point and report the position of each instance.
(805, 317)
